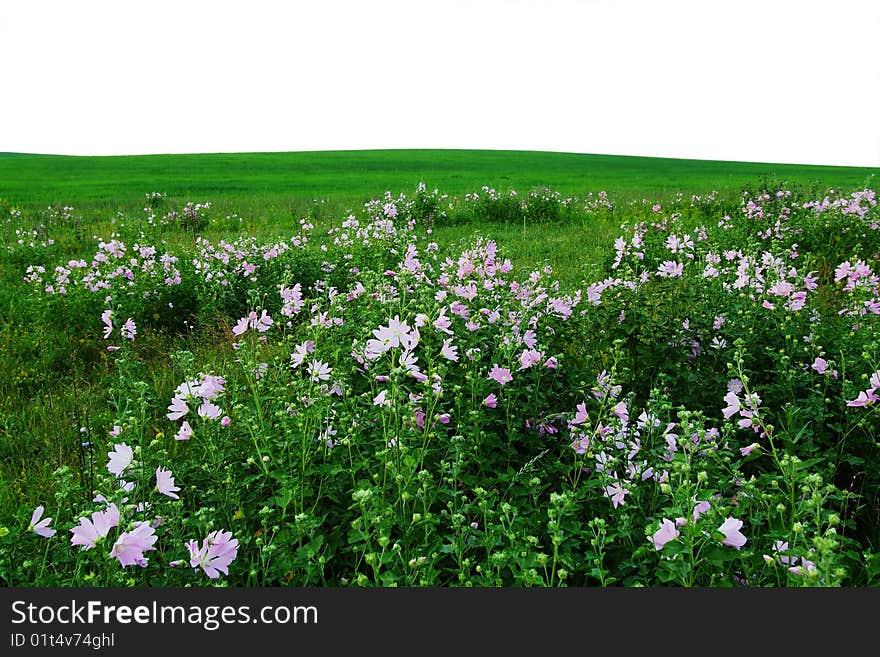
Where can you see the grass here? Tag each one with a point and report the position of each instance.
(266, 183)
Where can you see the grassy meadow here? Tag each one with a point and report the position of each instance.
(633, 284)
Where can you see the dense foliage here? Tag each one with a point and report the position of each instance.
(378, 409)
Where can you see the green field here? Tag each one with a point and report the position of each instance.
(262, 182)
(272, 190)
(62, 390)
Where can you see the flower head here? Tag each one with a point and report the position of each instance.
(89, 532)
(165, 483)
(108, 324)
(217, 551)
(129, 329)
(185, 432)
(129, 548)
(120, 459)
(177, 409)
(732, 536)
(40, 527)
(666, 533)
(449, 351)
(209, 410)
(500, 374)
(700, 508)
(319, 371)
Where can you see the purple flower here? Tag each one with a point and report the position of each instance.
(666, 533)
(865, 398)
(300, 352)
(530, 357)
(209, 410)
(491, 401)
(129, 548)
(185, 432)
(732, 536)
(745, 451)
(108, 325)
(581, 416)
(165, 483)
(449, 351)
(701, 507)
(120, 459)
(177, 409)
(225, 421)
(263, 323)
(89, 532)
(129, 329)
(733, 405)
(211, 387)
(820, 365)
(40, 527)
(241, 326)
(390, 336)
(616, 492)
(319, 371)
(500, 374)
(218, 550)
(670, 269)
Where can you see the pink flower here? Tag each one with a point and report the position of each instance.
(115, 431)
(670, 269)
(732, 536)
(666, 533)
(209, 410)
(530, 357)
(551, 363)
(733, 405)
(165, 483)
(108, 328)
(701, 507)
(177, 409)
(225, 421)
(120, 459)
(745, 451)
(89, 532)
(241, 326)
(185, 432)
(581, 416)
(300, 352)
(389, 336)
(129, 329)
(449, 351)
(218, 550)
(319, 371)
(211, 386)
(491, 401)
(616, 492)
(865, 398)
(500, 374)
(820, 365)
(129, 548)
(382, 399)
(40, 527)
(263, 323)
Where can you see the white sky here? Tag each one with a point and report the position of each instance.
(767, 81)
